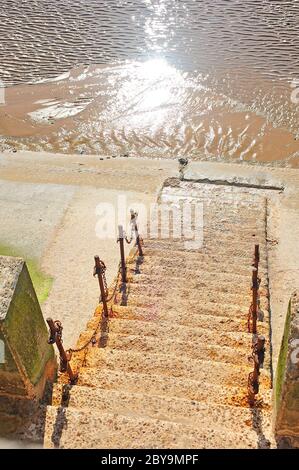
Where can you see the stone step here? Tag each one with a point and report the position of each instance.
(176, 186)
(234, 234)
(214, 215)
(231, 202)
(184, 311)
(224, 253)
(197, 289)
(164, 323)
(173, 365)
(72, 428)
(197, 348)
(172, 409)
(191, 337)
(195, 267)
(179, 387)
(162, 294)
(207, 277)
(163, 255)
(198, 281)
(175, 271)
(236, 321)
(213, 197)
(204, 344)
(211, 328)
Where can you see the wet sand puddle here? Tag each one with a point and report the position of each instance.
(211, 81)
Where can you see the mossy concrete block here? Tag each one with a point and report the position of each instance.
(287, 381)
(27, 361)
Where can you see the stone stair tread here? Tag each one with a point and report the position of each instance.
(173, 365)
(116, 431)
(198, 265)
(231, 350)
(156, 292)
(175, 272)
(170, 346)
(191, 285)
(146, 309)
(179, 410)
(165, 324)
(177, 275)
(162, 255)
(195, 337)
(179, 387)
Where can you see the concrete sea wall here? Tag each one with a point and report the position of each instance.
(286, 390)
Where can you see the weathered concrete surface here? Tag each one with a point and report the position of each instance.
(170, 369)
(287, 380)
(28, 361)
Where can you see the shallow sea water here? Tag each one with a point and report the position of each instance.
(208, 79)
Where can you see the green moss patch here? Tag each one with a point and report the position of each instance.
(41, 282)
(282, 361)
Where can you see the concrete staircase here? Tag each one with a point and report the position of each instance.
(170, 369)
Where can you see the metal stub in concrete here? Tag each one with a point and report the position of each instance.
(287, 380)
(27, 361)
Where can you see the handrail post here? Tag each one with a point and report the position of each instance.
(258, 353)
(256, 256)
(122, 253)
(56, 337)
(255, 287)
(254, 299)
(99, 271)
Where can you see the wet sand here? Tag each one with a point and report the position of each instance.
(147, 109)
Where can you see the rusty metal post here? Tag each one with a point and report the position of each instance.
(256, 256)
(56, 337)
(99, 271)
(138, 241)
(260, 349)
(122, 253)
(255, 287)
(254, 299)
(258, 353)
